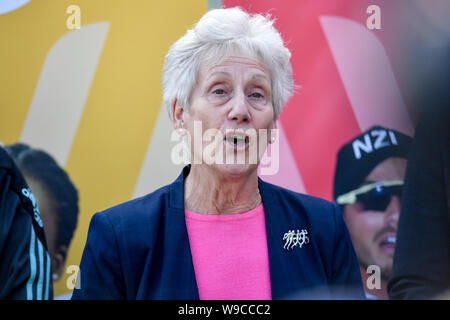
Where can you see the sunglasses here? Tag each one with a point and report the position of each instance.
(374, 196)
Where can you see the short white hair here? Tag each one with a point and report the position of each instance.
(217, 35)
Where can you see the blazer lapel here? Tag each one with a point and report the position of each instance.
(177, 241)
(286, 277)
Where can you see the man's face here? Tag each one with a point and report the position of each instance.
(49, 218)
(373, 232)
(46, 211)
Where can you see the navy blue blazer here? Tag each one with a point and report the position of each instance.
(140, 249)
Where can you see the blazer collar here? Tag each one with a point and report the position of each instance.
(182, 280)
(284, 275)
(176, 193)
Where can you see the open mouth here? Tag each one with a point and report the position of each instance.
(237, 140)
(388, 243)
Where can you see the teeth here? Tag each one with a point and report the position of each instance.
(391, 240)
(236, 139)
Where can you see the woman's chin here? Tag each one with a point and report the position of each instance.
(236, 170)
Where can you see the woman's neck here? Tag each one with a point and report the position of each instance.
(208, 191)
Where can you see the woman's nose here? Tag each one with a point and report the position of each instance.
(239, 108)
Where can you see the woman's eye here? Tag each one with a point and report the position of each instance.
(256, 95)
(219, 94)
(219, 91)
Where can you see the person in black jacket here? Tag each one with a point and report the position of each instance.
(24, 260)
(422, 259)
(56, 196)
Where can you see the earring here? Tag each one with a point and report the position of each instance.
(55, 277)
(272, 139)
(181, 131)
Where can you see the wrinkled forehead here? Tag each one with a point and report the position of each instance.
(217, 58)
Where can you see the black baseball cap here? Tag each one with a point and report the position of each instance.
(357, 158)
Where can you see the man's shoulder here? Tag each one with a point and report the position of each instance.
(13, 187)
(7, 166)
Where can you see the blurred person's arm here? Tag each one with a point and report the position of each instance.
(24, 262)
(422, 257)
(443, 296)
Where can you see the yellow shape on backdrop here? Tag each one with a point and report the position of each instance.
(124, 98)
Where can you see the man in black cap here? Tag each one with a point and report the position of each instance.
(368, 185)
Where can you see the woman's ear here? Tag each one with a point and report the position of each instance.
(177, 118)
(177, 114)
(273, 131)
(273, 124)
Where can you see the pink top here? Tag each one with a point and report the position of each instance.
(230, 255)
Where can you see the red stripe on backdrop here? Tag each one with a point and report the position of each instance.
(319, 119)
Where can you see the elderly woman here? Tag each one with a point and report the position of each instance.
(218, 231)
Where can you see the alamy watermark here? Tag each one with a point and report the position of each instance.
(374, 20)
(374, 280)
(74, 279)
(74, 20)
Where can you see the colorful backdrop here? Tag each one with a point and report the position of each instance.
(91, 96)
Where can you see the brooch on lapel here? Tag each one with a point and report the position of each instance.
(294, 238)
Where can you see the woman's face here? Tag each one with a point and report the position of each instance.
(231, 114)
